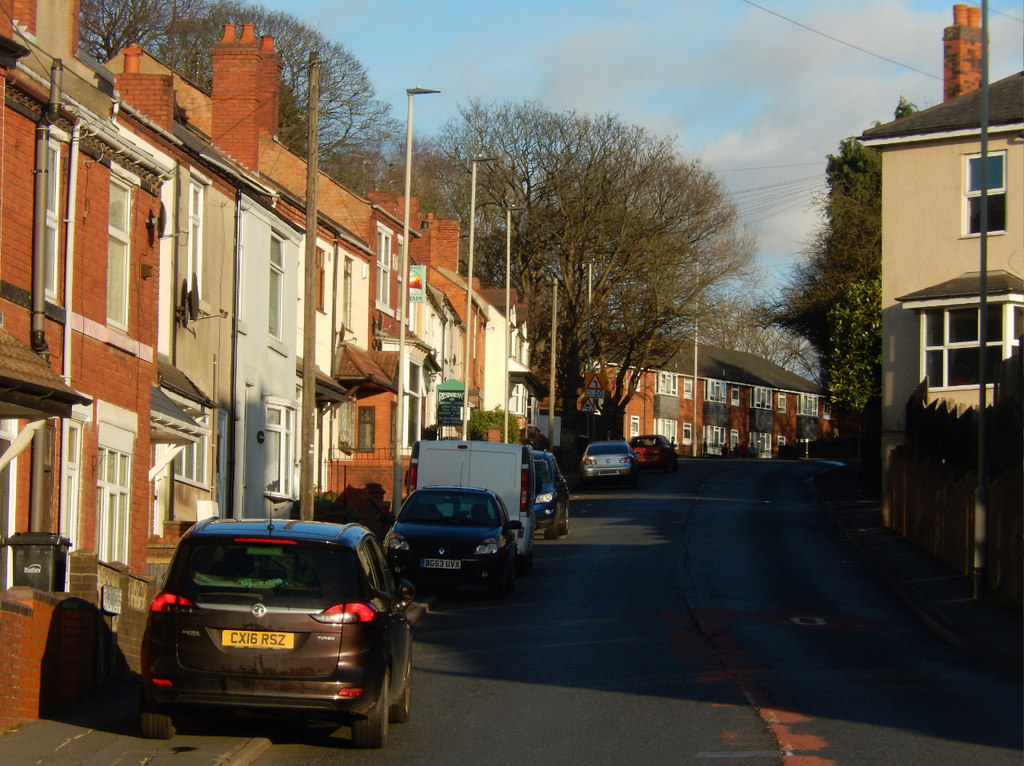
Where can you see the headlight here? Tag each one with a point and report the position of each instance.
(545, 497)
(396, 543)
(490, 545)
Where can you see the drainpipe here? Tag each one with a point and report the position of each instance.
(39, 517)
(233, 492)
(69, 282)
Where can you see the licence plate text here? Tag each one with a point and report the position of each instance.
(441, 564)
(257, 639)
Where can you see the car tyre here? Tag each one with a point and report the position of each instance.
(563, 525)
(552, 531)
(502, 586)
(400, 708)
(154, 724)
(372, 731)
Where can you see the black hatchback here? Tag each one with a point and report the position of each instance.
(279, 617)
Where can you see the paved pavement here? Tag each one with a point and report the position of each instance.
(941, 597)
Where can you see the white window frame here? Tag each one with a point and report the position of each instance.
(117, 273)
(667, 383)
(384, 265)
(190, 464)
(714, 391)
(762, 399)
(687, 388)
(781, 441)
(634, 426)
(71, 486)
(194, 251)
(279, 441)
(780, 399)
(688, 433)
(734, 395)
(113, 504)
(808, 405)
(667, 428)
(51, 244)
(1000, 348)
(714, 437)
(275, 278)
(972, 196)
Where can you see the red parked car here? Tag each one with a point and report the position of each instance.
(655, 451)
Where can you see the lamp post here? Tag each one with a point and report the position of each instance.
(403, 302)
(469, 296)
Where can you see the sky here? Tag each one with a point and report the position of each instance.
(759, 92)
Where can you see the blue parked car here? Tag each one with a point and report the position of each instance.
(552, 504)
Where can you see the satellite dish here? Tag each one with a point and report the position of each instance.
(193, 298)
(183, 305)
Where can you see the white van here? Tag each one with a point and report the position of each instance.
(505, 469)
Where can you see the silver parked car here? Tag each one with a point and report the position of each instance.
(609, 461)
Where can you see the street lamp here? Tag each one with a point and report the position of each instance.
(403, 302)
(469, 297)
(508, 321)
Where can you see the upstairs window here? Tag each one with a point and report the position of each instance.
(383, 266)
(808, 405)
(714, 391)
(275, 287)
(996, 193)
(762, 398)
(667, 383)
(117, 255)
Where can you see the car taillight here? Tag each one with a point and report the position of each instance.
(414, 471)
(524, 489)
(589, 461)
(170, 602)
(347, 614)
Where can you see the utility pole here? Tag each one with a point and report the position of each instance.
(309, 299)
(551, 383)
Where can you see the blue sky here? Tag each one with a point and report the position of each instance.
(760, 91)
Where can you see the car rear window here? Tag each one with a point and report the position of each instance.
(606, 449)
(450, 508)
(543, 469)
(278, 573)
(650, 441)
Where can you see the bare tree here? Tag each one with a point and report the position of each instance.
(355, 127)
(610, 212)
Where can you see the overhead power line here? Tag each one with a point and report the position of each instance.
(841, 42)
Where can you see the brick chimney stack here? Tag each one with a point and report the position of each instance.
(962, 53)
(150, 93)
(439, 243)
(246, 87)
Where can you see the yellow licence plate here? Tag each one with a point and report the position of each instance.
(257, 639)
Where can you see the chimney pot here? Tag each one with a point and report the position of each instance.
(267, 44)
(248, 33)
(229, 34)
(959, 15)
(974, 17)
(132, 60)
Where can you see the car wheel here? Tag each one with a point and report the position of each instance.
(399, 710)
(372, 731)
(154, 724)
(563, 525)
(552, 531)
(500, 587)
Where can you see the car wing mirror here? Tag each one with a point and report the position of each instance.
(514, 524)
(406, 593)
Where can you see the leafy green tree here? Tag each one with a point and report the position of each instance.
(854, 364)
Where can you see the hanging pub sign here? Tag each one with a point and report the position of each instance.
(418, 285)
